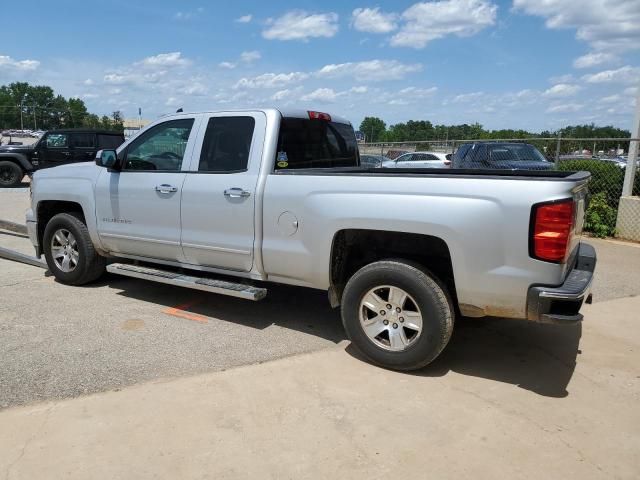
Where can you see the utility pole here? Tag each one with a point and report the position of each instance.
(35, 124)
(630, 171)
(21, 122)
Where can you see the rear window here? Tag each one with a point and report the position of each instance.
(109, 142)
(307, 143)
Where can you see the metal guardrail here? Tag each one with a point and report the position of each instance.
(7, 254)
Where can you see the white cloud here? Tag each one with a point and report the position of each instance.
(22, 65)
(360, 89)
(173, 59)
(566, 78)
(562, 90)
(626, 74)
(468, 97)
(300, 25)
(245, 57)
(371, 70)
(249, 57)
(565, 108)
(321, 95)
(173, 102)
(244, 19)
(633, 91)
(89, 96)
(88, 81)
(611, 99)
(594, 59)
(372, 20)
(196, 88)
(415, 92)
(604, 24)
(282, 95)
(428, 21)
(271, 80)
(134, 78)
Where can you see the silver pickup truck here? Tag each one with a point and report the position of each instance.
(231, 201)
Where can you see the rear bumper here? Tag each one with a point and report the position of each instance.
(561, 305)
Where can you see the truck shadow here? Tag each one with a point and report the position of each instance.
(301, 309)
(536, 357)
(539, 358)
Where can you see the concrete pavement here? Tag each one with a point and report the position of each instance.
(514, 401)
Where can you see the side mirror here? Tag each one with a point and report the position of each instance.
(107, 159)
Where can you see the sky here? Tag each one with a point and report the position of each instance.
(531, 64)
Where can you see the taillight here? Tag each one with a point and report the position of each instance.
(319, 116)
(551, 230)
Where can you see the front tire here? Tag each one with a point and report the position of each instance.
(69, 251)
(397, 315)
(10, 174)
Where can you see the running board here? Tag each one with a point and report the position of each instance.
(221, 287)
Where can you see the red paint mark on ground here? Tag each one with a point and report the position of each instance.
(179, 311)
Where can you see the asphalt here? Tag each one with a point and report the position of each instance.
(59, 342)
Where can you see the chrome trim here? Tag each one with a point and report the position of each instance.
(216, 249)
(139, 239)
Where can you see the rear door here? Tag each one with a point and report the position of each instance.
(219, 193)
(83, 146)
(138, 208)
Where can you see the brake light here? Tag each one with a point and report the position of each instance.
(319, 116)
(552, 229)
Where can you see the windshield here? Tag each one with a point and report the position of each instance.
(517, 152)
(305, 143)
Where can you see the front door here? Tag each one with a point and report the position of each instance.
(54, 150)
(138, 208)
(219, 193)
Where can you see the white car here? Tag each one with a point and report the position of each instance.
(420, 160)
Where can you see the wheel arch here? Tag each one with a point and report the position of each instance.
(19, 159)
(47, 209)
(352, 249)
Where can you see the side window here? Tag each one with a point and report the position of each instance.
(430, 157)
(57, 140)
(160, 148)
(409, 157)
(83, 140)
(226, 144)
(109, 142)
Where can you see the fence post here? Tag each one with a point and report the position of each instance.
(557, 159)
(630, 171)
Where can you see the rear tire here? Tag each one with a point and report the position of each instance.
(11, 174)
(69, 250)
(397, 315)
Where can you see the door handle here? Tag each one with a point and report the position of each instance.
(236, 193)
(165, 188)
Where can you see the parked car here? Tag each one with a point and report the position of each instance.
(55, 147)
(278, 197)
(393, 154)
(372, 161)
(500, 155)
(420, 160)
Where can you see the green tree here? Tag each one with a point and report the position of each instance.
(373, 128)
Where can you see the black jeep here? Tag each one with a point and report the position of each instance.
(55, 147)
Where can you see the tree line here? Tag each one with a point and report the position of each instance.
(38, 107)
(375, 130)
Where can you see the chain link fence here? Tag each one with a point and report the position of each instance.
(605, 158)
